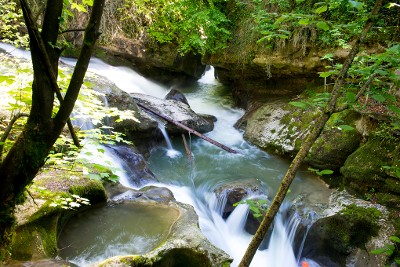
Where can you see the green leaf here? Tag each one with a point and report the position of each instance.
(78, 7)
(322, 25)
(394, 109)
(395, 239)
(326, 74)
(379, 251)
(321, 9)
(351, 97)
(355, 4)
(304, 21)
(378, 97)
(298, 104)
(325, 172)
(346, 127)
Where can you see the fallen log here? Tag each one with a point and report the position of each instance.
(190, 130)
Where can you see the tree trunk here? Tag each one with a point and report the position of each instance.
(305, 147)
(30, 150)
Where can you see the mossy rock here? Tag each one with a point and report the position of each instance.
(279, 127)
(36, 239)
(336, 236)
(92, 190)
(334, 145)
(363, 170)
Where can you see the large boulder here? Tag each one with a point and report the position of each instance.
(185, 245)
(347, 231)
(281, 128)
(365, 171)
(177, 111)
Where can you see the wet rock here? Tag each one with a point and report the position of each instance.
(160, 194)
(175, 94)
(230, 194)
(347, 231)
(184, 246)
(135, 165)
(281, 128)
(177, 111)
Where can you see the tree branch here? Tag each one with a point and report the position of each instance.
(360, 93)
(8, 130)
(91, 35)
(44, 56)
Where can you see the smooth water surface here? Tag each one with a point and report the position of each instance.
(121, 229)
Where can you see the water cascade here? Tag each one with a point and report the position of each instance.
(196, 183)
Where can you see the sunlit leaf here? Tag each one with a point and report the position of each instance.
(298, 104)
(321, 9)
(346, 127)
(322, 25)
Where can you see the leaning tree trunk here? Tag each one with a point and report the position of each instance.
(306, 145)
(29, 152)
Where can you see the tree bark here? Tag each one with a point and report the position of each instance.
(305, 147)
(30, 150)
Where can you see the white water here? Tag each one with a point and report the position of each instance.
(228, 234)
(212, 167)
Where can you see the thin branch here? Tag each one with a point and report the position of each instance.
(188, 153)
(72, 30)
(360, 93)
(8, 129)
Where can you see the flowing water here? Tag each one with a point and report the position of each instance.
(195, 182)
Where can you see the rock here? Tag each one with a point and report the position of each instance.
(160, 194)
(178, 111)
(334, 145)
(161, 62)
(174, 94)
(363, 169)
(278, 127)
(345, 236)
(184, 246)
(281, 128)
(39, 220)
(135, 165)
(230, 194)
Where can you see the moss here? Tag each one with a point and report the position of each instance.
(183, 257)
(92, 190)
(36, 239)
(334, 145)
(388, 199)
(128, 261)
(363, 169)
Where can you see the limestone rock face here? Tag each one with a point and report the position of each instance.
(281, 128)
(161, 62)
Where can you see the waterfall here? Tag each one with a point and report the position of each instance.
(195, 184)
(171, 152)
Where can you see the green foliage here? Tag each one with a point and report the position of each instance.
(11, 24)
(258, 207)
(16, 81)
(196, 26)
(59, 200)
(321, 172)
(391, 250)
